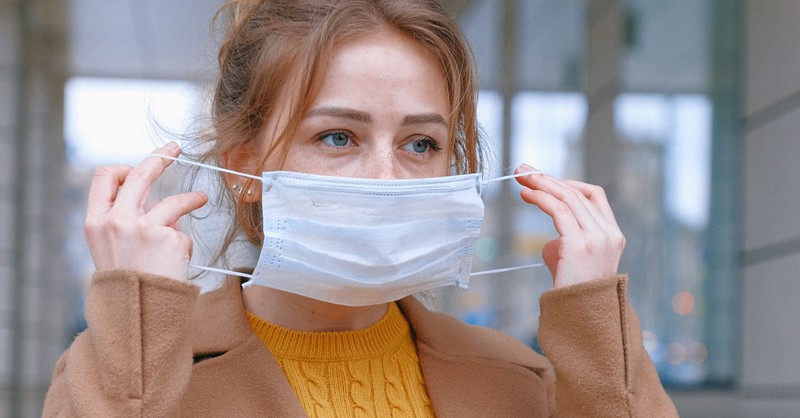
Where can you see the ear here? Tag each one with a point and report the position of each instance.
(244, 159)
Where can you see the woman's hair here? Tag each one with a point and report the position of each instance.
(276, 51)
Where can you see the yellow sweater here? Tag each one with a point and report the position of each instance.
(373, 372)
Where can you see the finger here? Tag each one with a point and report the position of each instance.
(138, 182)
(597, 196)
(582, 209)
(104, 187)
(168, 211)
(550, 256)
(563, 219)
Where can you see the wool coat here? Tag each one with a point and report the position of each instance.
(156, 347)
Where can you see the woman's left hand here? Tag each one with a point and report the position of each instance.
(590, 243)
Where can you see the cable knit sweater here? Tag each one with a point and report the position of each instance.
(155, 348)
(372, 372)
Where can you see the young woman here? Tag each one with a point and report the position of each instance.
(365, 95)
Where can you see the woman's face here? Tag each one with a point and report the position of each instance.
(382, 111)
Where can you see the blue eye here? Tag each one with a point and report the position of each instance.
(336, 139)
(422, 145)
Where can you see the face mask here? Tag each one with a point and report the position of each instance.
(359, 242)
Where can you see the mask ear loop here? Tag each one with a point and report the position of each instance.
(507, 269)
(511, 176)
(208, 166)
(222, 271)
(495, 271)
(223, 170)
(477, 273)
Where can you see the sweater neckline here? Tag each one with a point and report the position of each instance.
(377, 339)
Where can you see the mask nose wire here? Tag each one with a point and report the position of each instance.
(208, 166)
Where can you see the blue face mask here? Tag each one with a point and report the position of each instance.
(359, 242)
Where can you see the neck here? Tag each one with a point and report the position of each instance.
(305, 314)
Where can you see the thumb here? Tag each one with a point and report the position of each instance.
(550, 256)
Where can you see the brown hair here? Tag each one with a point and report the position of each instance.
(280, 48)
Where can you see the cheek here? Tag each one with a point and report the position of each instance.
(302, 158)
(446, 165)
(298, 161)
(439, 166)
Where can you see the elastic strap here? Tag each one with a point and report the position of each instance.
(237, 173)
(223, 271)
(208, 166)
(511, 176)
(526, 266)
(477, 273)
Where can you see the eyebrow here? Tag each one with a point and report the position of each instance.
(425, 118)
(359, 116)
(341, 112)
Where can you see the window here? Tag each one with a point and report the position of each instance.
(665, 127)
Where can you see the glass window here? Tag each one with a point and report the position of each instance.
(663, 118)
(662, 207)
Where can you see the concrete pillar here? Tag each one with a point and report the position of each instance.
(502, 291)
(724, 231)
(32, 267)
(601, 86)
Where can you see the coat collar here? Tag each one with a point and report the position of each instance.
(218, 320)
(475, 371)
(467, 369)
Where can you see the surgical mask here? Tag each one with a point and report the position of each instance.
(358, 242)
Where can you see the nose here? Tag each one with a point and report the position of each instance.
(381, 163)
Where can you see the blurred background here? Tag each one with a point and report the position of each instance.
(685, 111)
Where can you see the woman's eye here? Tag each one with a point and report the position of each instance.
(422, 145)
(336, 139)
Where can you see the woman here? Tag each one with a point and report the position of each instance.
(370, 89)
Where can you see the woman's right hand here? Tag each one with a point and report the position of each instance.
(123, 235)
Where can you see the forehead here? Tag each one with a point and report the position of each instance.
(384, 69)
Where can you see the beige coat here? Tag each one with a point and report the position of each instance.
(155, 348)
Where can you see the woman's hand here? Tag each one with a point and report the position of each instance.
(590, 243)
(122, 235)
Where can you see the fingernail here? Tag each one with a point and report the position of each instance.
(172, 145)
(526, 167)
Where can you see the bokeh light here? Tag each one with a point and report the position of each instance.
(683, 303)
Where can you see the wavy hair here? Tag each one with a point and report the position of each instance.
(273, 49)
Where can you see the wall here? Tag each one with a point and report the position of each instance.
(769, 379)
(771, 247)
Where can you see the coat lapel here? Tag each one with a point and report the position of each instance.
(474, 371)
(248, 381)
